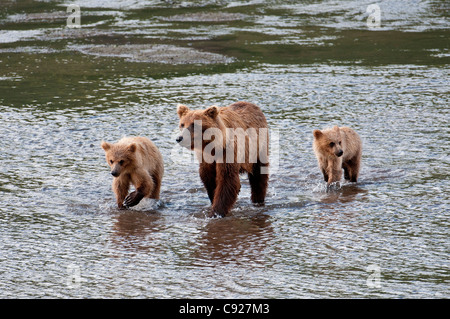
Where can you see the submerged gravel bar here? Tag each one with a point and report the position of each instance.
(156, 53)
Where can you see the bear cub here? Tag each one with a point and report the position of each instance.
(338, 148)
(137, 161)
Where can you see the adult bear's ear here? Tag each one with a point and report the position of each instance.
(317, 134)
(212, 111)
(182, 109)
(105, 145)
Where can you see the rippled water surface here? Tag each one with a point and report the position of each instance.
(308, 65)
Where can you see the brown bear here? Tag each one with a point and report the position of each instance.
(227, 141)
(338, 148)
(137, 161)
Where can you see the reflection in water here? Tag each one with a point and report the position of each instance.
(235, 240)
(135, 230)
(344, 194)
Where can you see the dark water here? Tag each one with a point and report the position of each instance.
(308, 64)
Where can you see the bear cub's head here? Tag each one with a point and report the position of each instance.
(194, 123)
(119, 156)
(329, 141)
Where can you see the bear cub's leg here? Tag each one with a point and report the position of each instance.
(120, 187)
(351, 169)
(144, 187)
(334, 172)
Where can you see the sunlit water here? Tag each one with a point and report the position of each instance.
(386, 236)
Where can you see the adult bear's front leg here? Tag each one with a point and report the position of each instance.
(208, 176)
(227, 189)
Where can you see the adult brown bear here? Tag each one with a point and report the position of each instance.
(228, 141)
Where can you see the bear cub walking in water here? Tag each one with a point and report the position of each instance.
(137, 161)
(338, 148)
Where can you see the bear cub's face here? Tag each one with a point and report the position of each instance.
(329, 141)
(193, 123)
(118, 157)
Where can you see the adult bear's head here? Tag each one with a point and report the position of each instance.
(198, 128)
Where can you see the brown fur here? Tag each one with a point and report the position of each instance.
(336, 149)
(137, 161)
(219, 175)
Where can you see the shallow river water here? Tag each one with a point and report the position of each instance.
(307, 64)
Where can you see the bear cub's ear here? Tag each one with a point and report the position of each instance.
(317, 134)
(212, 111)
(105, 145)
(182, 109)
(132, 148)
